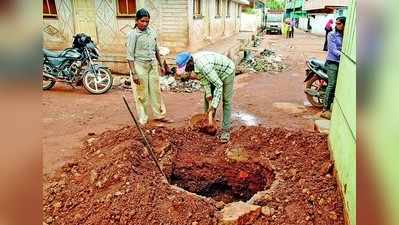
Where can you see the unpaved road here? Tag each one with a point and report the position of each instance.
(70, 115)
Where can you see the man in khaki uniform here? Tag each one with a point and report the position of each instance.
(143, 58)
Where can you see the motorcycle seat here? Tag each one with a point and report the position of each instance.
(49, 53)
(318, 64)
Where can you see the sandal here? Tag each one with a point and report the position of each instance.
(225, 137)
(164, 120)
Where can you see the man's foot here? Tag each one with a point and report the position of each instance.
(326, 114)
(164, 120)
(225, 137)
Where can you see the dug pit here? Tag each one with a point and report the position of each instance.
(228, 177)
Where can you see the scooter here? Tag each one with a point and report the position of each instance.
(315, 82)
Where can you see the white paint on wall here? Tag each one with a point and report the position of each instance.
(248, 22)
(319, 22)
(303, 23)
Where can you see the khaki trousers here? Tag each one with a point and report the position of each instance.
(149, 91)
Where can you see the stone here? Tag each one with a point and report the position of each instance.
(93, 176)
(49, 220)
(326, 168)
(322, 126)
(267, 211)
(238, 213)
(237, 154)
(57, 205)
(91, 140)
(289, 107)
(220, 205)
(333, 216)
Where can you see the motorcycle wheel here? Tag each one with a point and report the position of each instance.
(318, 85)
(47, 83)
(99, 85)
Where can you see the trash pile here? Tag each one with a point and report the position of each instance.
(169, 83)
(267, 61)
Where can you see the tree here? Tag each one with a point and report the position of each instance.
(275, 4)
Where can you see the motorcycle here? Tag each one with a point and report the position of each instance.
(76, 66)
(315, 82)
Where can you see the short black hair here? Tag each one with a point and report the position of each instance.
(341, 19)
(142, 13)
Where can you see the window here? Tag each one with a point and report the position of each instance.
(218, 13)
(228, 8)
(197, 8)
(126, 8)
(49, 9)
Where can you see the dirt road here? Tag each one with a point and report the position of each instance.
(69, 116)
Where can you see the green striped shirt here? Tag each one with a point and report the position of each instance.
(212, 69)
(141, 45)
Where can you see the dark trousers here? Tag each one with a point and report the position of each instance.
(332, 72)
(325, 41)
(291, 33)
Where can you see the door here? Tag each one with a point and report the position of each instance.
(85, 18)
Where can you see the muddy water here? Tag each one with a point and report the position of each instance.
(246, 119)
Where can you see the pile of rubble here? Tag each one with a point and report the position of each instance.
(266, 61)
(169, 83)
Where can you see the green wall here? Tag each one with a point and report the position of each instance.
(343, 122)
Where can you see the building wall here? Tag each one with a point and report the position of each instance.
(174, 31)
(319, 22)
(343, 122)
(210, 28)
(171, 19)
(321, 4)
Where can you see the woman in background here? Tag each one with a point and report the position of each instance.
(328, 28)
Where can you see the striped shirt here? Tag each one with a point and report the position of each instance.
(141, 45)
(212, 69)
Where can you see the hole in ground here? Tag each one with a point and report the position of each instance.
(223, 181)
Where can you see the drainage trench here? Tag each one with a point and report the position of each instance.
(227, 182)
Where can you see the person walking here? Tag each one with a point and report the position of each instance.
(145, 64)
(216, 73)
(328, 28)
(291, 25)
(334, 47)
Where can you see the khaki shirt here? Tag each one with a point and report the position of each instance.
(142, 45)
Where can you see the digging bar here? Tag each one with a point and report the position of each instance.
(150, 150)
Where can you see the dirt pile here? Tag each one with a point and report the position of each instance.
(266, 61)
(114, 181)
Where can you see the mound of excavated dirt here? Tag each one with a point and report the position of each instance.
(114, 180)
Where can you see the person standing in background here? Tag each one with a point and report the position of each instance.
(334, 46)
(328, 28)
(145, 64)
(291, 25)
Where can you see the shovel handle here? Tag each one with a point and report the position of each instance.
(210, 118)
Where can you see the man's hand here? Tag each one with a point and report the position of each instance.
(136, 79)
(162, 70)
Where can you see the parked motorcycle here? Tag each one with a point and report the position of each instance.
(75, 66)
(315, 82)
